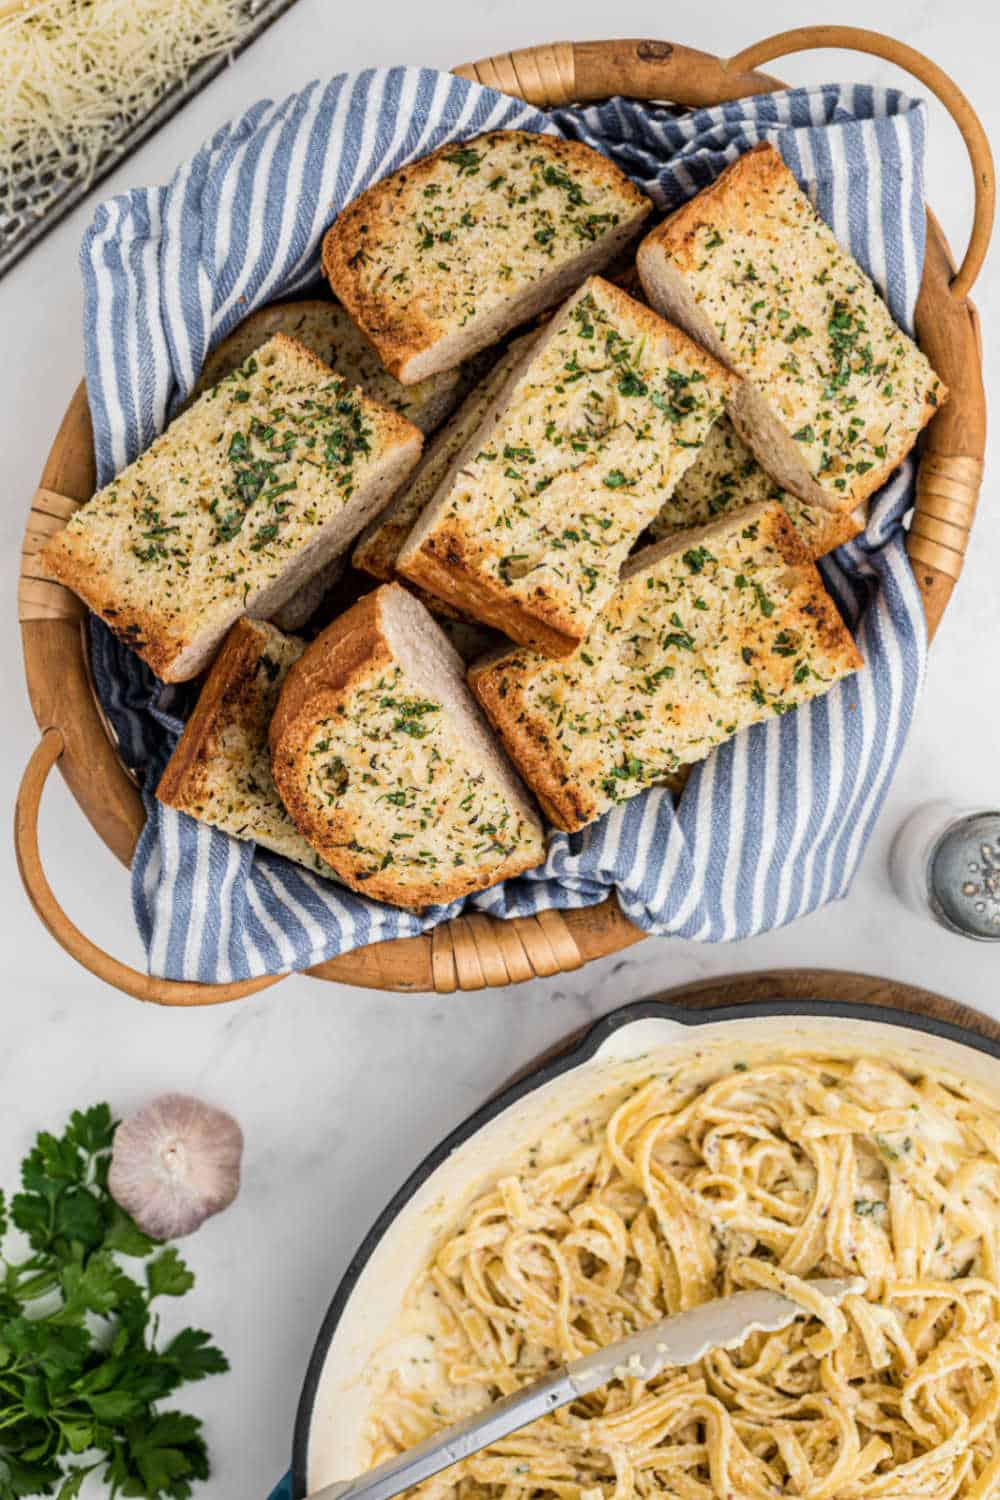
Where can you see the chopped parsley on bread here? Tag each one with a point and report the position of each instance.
(835, 394)
(220, 772)
(574, 458)
(725, 476)
(387, 767)
(244, 498)
(445, 256)
(325, 328)
(709, 632)
(379, 545)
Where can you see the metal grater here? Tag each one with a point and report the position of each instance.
(38, 202)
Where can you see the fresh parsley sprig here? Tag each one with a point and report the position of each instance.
(81, 1376)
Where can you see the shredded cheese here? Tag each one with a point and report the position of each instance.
(76, 75)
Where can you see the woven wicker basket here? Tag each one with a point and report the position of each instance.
(475, 951)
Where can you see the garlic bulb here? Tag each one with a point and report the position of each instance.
(174, 1164)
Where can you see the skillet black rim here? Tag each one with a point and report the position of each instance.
(579, 1051)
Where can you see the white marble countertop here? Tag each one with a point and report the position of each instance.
(340, 1092)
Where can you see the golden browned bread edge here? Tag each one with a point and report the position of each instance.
(342, 242)
(843, 527)
(764, 166)
(69, 560)
(533, 755)
(679, 228)
(834, 637)
(470, 594)
(140, 630)
(184, 774)
(327, 664)
(340, 658)
(440, 564)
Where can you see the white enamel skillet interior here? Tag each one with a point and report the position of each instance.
(625, 1047)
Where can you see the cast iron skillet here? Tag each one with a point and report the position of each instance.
(579, 1051)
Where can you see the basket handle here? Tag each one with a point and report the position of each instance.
(558, 73)
(66, 933)
(876, 44)
(951, 468)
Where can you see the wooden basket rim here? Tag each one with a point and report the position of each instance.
(475, 951)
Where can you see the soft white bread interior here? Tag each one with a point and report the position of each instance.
(835, 393)
(387, 767)
(244, 498)
(573, 459)
(710, 631)
(445, 256)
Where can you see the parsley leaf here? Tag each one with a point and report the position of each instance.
(79, 1363)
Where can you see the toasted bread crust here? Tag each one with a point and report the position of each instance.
(574, 778)
(219, 772)
(761, 169)
(400, 327)
(174, 628)
(325, 328)
(331, 663)
(141, 630)
(444, 567)
(225, 689)
(457, 555)
(757, 196)
(342, 657)
(842, 527)
(347, 657)
(815, 603)
(566, 806)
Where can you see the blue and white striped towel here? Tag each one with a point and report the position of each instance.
(773, 824)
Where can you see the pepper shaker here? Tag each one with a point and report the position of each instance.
(945, 861)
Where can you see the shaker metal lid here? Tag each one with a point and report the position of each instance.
(965, 876)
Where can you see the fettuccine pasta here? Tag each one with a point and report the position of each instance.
(767, 1176)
